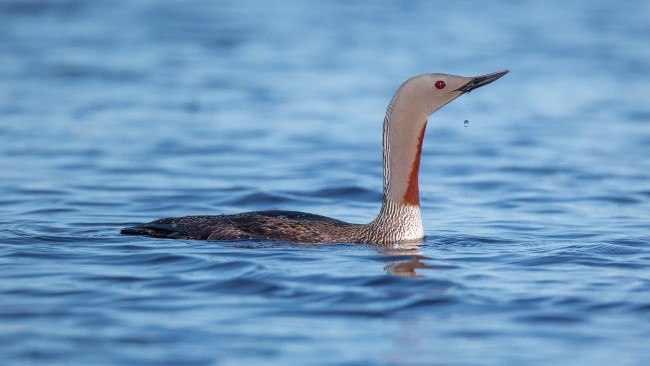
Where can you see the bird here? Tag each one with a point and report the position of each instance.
(399, 219)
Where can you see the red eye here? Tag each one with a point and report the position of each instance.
(440, 84)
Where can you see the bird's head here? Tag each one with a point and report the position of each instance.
(424, 94)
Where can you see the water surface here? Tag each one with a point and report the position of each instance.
(536, 215)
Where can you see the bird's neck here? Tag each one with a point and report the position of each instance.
(402, 146)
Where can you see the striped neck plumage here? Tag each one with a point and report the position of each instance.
(402, 147)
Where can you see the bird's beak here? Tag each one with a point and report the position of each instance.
(479, 81)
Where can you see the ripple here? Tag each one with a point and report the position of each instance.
(623, 200)
(344, 192)
(615, 249)
(643, 308)
(430, 303)
(258, 199)
(551, 318)
(50, 211)
(21, 8)
(241, 286)
(152, 259)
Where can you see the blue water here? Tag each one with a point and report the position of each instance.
(537, 215)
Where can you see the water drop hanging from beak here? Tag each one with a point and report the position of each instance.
(466, 123)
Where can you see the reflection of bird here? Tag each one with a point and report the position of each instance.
(399, 218)
(406, 258)
(407, 267)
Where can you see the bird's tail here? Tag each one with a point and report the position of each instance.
(151, 230)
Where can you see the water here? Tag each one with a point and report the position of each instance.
(536, 219)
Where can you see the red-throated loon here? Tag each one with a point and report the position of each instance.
(399, 219)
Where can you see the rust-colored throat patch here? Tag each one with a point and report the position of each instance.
(412, 195)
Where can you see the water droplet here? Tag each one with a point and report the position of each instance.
(466, 123)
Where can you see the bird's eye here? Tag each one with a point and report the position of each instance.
(440, 84)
